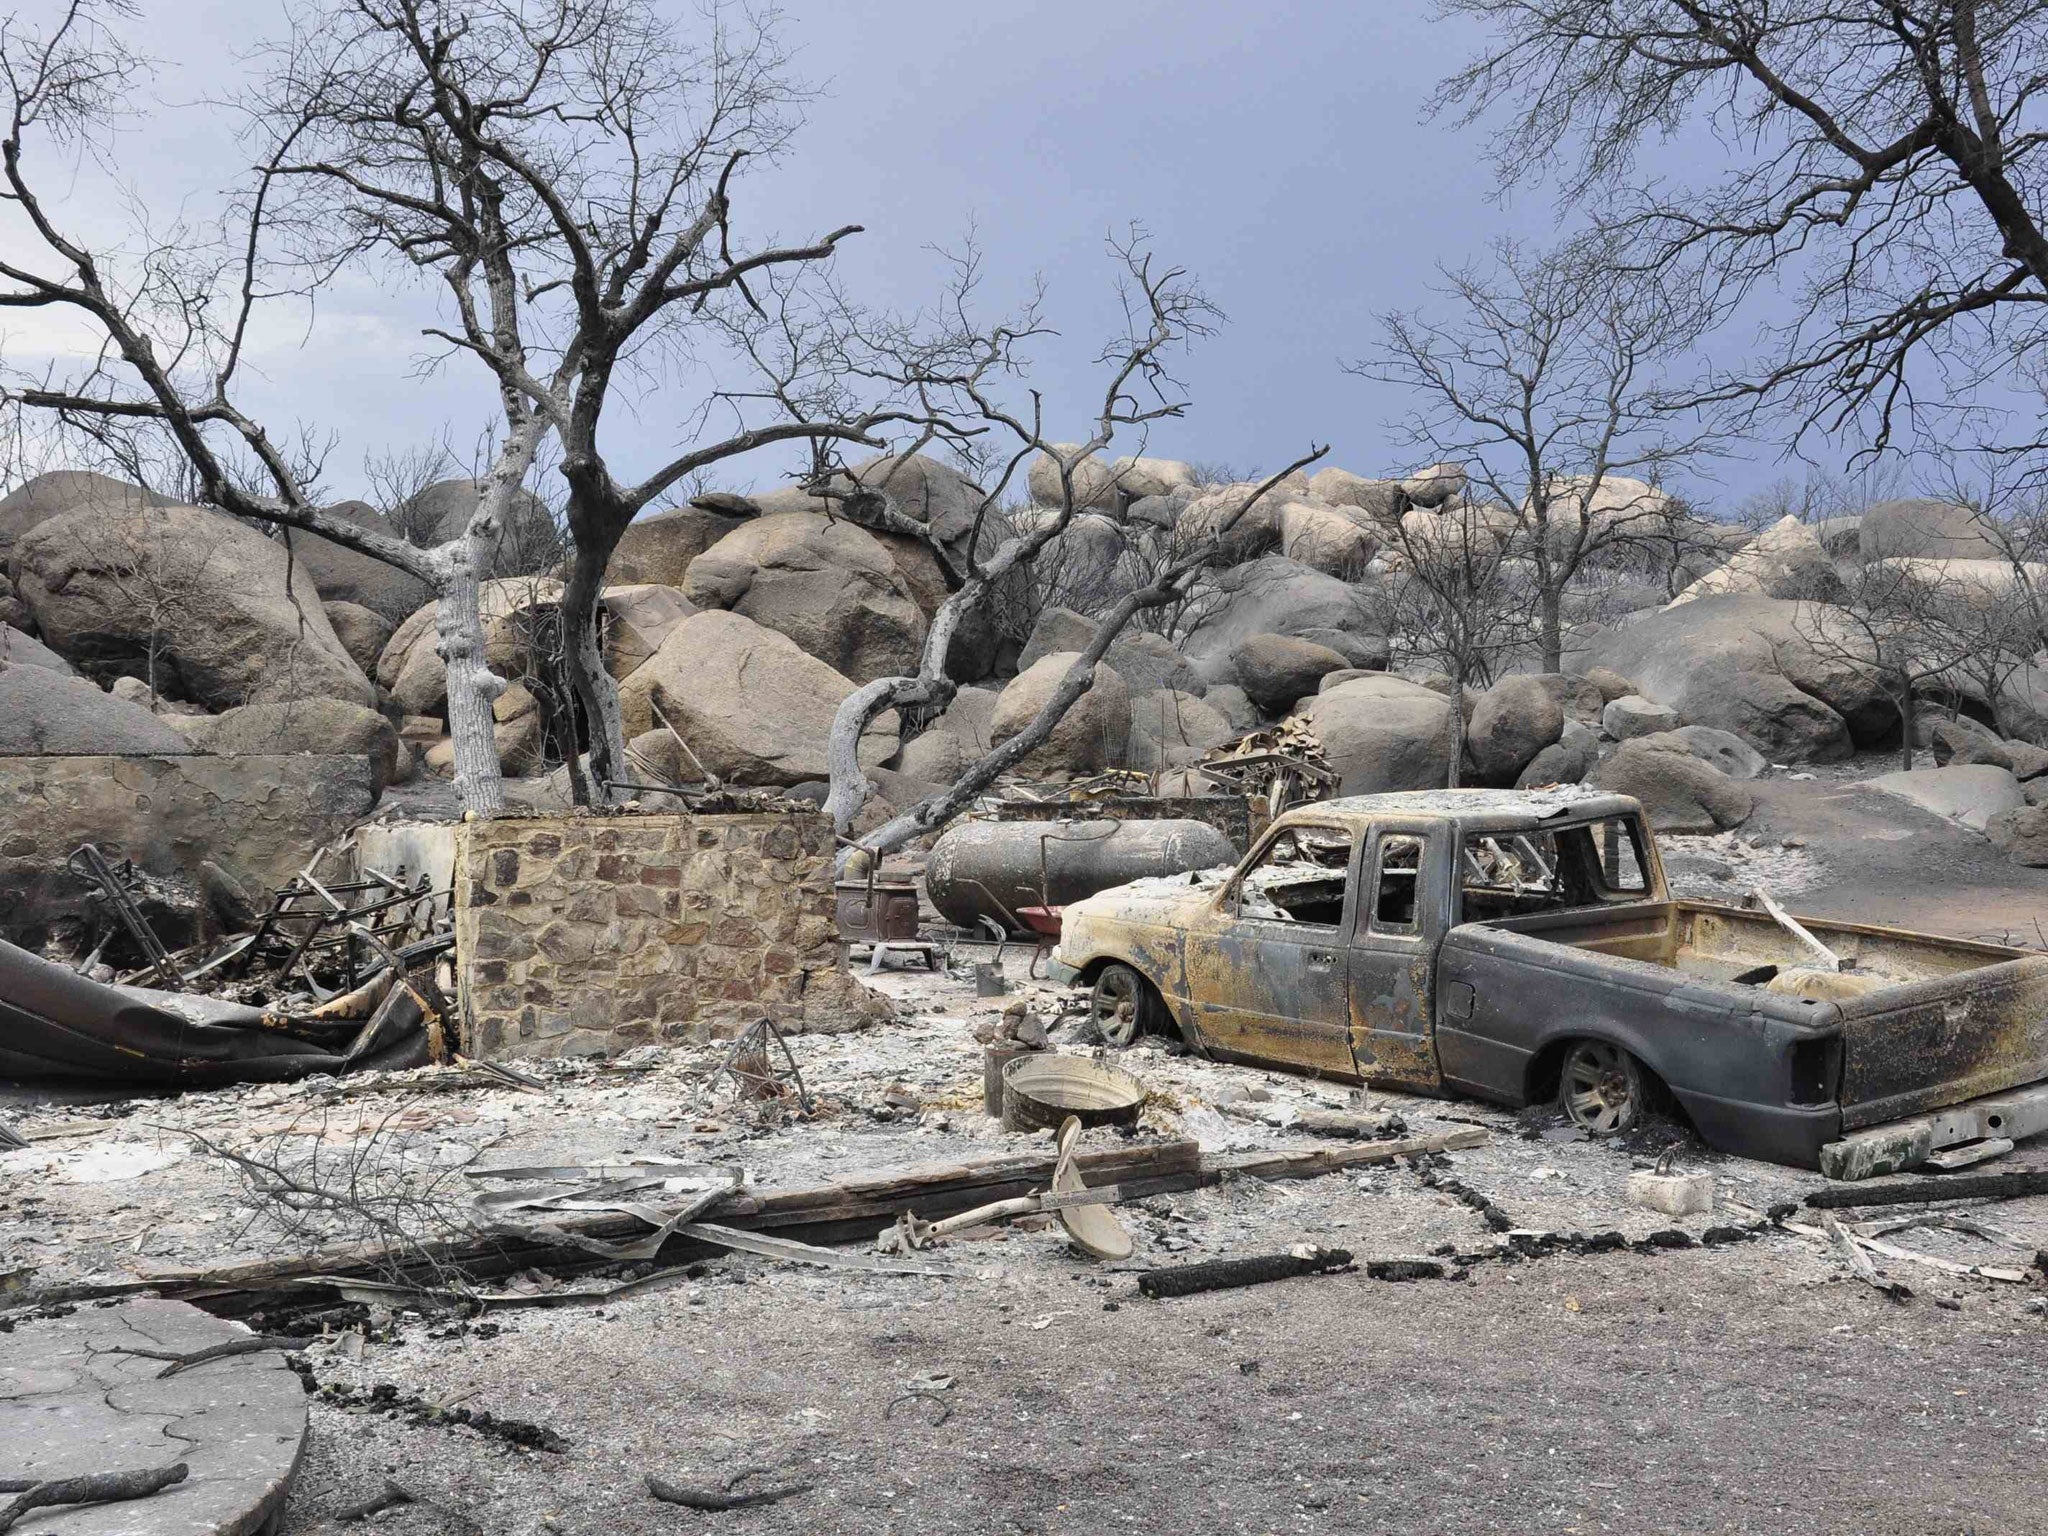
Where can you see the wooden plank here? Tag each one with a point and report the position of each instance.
(853, 1210)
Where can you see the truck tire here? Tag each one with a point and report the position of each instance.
(1601, 1088)
(1123, 1006)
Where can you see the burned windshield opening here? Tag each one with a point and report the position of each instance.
(1519, 873)
(1303, 877)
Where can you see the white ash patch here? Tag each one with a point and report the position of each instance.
(1729, 865)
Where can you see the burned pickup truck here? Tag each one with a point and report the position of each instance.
(1522, 946)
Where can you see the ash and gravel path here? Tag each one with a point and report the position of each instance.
(1743, 1388)
(1732, 1390)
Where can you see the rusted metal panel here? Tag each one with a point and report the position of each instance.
(1937, 1042)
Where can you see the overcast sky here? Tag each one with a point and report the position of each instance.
(1282, 152)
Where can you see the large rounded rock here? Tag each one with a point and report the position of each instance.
(936, 757)
(1337, 541)
(44, 711)
(1610, 684)
(411, 670)
(925, 490)
(1435, 485)
(1056, 629)
(1979, 584)
(1161, 511)
(1145, 661)
(637, 620)
(1579, 698)
(1780, 675)
(1963, 741)
(1241, 528)
(342, 575)
(2022, 833)
(362, 633)
(1139, 477)
(1092, 735)
(1275, 670)
(1718, 749)
(1383, 733)
(19, 650)
(1434, 539)
(1172, 730)
(518, 743)
(1633, 715)
(1973, 796)
(1368, 653)
(753, 707)
(110, 584)
(1513, 721)
(1094, 486)
(828, 585)
(528, 542)
(1930, 530)
(1277, 596)
(324, 726)
(1565, 761)
(1785, 560)
(1148, 662)
(63, 490)
(970, 719)
(1235, 706)
(1381, 500)
(657, 550)
(1679, 793)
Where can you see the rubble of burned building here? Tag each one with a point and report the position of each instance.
(431, 1067)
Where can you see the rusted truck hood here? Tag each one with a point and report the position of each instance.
(1141, 912)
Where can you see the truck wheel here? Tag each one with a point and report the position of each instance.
(1601, 1088)
(1123, 1006)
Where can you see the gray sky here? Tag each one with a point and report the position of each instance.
(1282, 153)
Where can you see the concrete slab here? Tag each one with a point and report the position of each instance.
(72, 1401)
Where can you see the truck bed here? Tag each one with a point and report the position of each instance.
(1912, 1022)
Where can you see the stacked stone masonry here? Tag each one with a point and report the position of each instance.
(582, 935)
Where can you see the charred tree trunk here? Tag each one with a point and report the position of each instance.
(472, 686)
(598, 517)
(1550, 627)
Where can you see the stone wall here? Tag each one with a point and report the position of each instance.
(233, 826)
(579, 935)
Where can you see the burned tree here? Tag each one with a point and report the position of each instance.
(1454, 604)
(1884, 158)
(569, 168)
(1165, 310)
(174, 324)
(955, 377)
(1542, 384)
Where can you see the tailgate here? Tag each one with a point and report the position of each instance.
(1926, 1044)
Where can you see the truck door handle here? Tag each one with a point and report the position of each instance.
(1321, 957)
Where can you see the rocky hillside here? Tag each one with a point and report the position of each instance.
(130, 625)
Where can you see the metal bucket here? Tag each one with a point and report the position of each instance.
(1041, 1090)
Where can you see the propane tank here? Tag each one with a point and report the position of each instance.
(991, 868)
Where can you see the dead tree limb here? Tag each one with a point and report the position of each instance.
(935, 811)
(94, 1488)
(254, 1344)
(713, 1500)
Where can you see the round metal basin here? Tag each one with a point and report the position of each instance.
(1041, 1090)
